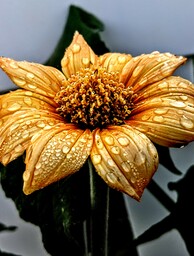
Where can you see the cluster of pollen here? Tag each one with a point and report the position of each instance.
(93, 98)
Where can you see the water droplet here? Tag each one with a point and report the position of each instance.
(109, 140)
(40, 124)
(183, 97)
(125, 166)
(178, 104)
(182, 85)
(47, 127)
(14, 107)
(30, 75)
(28, 101)
(96, 159)
(18, 81)
(76, 48)
(110, 162)
(111, 177)
(28, 93)
(140, 158)
(65, 149)
(25, 134)
(152, 150)
(13, 64)
(121, 59)
(99, 144)
(123, 141)
(85, 61)
(38, 165)
(68, 156)
(160, 111)
(32, 86)
(186, 123)
(158, 119)
(163, 85)
(115, 150)
(145, 117)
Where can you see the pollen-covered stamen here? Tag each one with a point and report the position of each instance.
(94, 97)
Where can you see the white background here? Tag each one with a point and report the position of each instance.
(29, 30)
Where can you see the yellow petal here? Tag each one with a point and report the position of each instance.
(164, 111)
(16, 131)
(114, 62)
(124, 158)
(54, 155)
(78, 55)
(24, 100)
(170, 86)
(33, 77)
(149, 68)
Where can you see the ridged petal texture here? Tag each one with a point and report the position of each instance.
(125, 158)
(149, 68)
(33, 76)
(161, 111)
(164, 111)
(78, 55)
(55, 154)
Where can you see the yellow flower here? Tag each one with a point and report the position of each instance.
(107, 107)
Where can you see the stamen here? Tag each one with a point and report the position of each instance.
(94, 98)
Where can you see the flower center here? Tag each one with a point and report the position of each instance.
(93, 98)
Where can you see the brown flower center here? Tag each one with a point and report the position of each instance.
(94, 98)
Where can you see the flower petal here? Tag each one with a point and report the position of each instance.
(16, 131)
(125, 158)
(54, 155)
(149, 68)
(164, 111)
(78, 55)
(33, 76)
(114, 62)
(24, 100)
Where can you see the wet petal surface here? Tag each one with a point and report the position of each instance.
(164, 111)
(114, 62)
(125, 158)
(149, 68)
(78, 55)
(16, 131)
(33, 76)
(55, 154)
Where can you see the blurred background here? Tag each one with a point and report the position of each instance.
(30, 30)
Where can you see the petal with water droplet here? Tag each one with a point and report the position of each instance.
(24, 100)
(114, 62)
(17, 130)
(54, 155)
(149, 68)
(33, 76)
(78, 55)
(128, 163)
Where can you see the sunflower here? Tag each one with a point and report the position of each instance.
(112, 108)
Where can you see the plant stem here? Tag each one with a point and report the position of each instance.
(99, 217)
